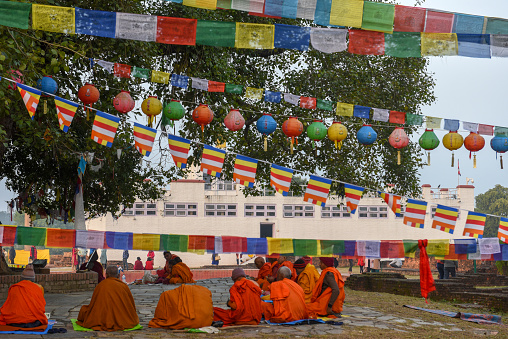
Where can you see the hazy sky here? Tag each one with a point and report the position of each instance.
(466, 89)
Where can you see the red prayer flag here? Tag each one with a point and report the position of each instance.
(397, 117)
(391, 249)
(426, 279)
(176, 31)
(122, 70)
(60, 238)
(9, 235)
(214, 86)
(485, 129)
(366, 42)
(210, 242)
(409, 19)
(308, 102)
(438, 22)
(234, 244)
(197, 242)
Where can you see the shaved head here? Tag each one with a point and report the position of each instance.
(259, 262)
(112, 272)
(283, 273)
(281, 259)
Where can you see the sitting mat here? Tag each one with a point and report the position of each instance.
(76, 327)
(6, 329)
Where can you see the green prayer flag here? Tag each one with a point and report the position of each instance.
(215, 33)
(14, 14)
(224, 4)
(403, 45)
(414, 119)
(235, 89)
(35, 236)
(140, 72)
(332, 247)
(496, 26)
(326, 105)
(500, 131)
(302, 247)
(410, 246)
(173, 242)
(378, 16)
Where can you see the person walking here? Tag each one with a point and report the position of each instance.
(12, 255)
(351, 264)
(450, 268)
(440, 268)
(125, 256)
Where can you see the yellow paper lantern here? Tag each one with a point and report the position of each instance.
(151, 107)
(453, 141)
(337, 132)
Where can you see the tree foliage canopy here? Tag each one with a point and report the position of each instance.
(494, 201)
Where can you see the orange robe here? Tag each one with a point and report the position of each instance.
(289, 265)
(264, 272)
(187, 306)
(25, 304)
(244, 301)
(288, 302)
(319, 301)
(111, 308)
(307, 280)
(181, 274)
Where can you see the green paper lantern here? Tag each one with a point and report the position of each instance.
(174, 110)
(317, 130)
(428, 141)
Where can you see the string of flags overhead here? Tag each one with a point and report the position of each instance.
(456, 249)
(391, 30)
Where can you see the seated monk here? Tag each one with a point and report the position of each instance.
(244, 301)
(288, 300)
(265, 270)
(149, 264)
(138, 264)
(283, 261)
(165, 273)
(112, 306)
(180, 273)
(187, 306)
(328, 295)
(275, 267)
(25, 305)
(93, 265)
(307, 277)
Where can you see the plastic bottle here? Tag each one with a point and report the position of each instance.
(123, 278)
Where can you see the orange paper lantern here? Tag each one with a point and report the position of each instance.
(398, 139)
(202, 115)
(473, 143)
(234, 121)
(292, 128)
(89, 95)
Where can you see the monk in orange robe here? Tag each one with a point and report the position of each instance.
(187, 306)
(328, 295)
(180, 273)
(288, 300)
(244, 301)
(165, 273)
(307, 278)
(282, 260)
(265, 270)
(25, 305)
(112, 306)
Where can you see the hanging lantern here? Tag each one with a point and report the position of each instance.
(174, 110)
(453, 141)
(48, 85)
(292, 128)
(337, 132)
(398, 139)
(366, 135)
(473, 143)
(429, 141)
(202, 115)
(317, 131)
(151, 107)
(89, 95)
(234, 120)
(499, 143)
(266, 125)
(123, 102)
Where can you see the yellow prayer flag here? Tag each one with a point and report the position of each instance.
(345, 110)
(347, 13)
(146, 242)
(439, 247)
(206, 4)
(254, 93)
(438, 44)
(53, 19)
(160, 77)
(254, 36)
(280, 245)
(433, 122)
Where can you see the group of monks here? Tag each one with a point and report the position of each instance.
(283, 292)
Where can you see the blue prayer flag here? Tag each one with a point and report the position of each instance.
(361, 112)
(464, 246)
(322, 13)
(257, 246)
(474, 45)
(292, 37)
(282, 8)
(503, 254)
(468, 24)
(97, 23)
(181, 81)
(349, 247)
(451, 125)
(119, 240)
(273, 96)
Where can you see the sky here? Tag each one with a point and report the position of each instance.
(467, 89)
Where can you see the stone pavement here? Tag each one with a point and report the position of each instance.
(66, 307)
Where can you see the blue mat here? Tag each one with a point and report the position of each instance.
(477, 318)
(306, 322)
(50, 325)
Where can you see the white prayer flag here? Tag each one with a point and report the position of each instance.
(328, 40)
(89, 239)
(291, 98)
(199, 83)
(306, 9)
(489, 245)
(136, 26)
(470, 126)
(108, 66)
(218, 245)
(381, 114)
(499, 45)
(254, 6)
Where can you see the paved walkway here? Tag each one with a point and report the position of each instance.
(66, 307)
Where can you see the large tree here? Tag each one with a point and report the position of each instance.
(494, 201)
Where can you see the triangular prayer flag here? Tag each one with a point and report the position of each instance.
(317, 190)
(445, 218)
(212, 160)
(179, 149)
(245, 170)
(393, 201)
(502, 233)
(280, 179)
(475, 223)
(353, 196)
(30, 97)
(144, 138)
(104, 128)
(414, 214)
(65, 110)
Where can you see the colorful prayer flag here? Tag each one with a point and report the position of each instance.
(160, 77)
(378, 16)
(53, 19)
(119, 240)
(445, 218)
(104, 128)
(409, 19)
(438, 22)
(502, 233)
(292, 37)
(122, 70)
(97, 23)
(142, 73)
(366, 42)
(345, 110)
(397, 117)
(35, 236)
(317, 190)
(65, 110)
(139, 27)
(393, 201)
(475, 224)
(403, 44)
(280, 179)
(245, 170)
(215, 86)
(176, 31)
(254, 36)
(15, 14)
(179, 149)
(414, 215)
(308, 102)
(328, 40)
(212, 160)
(254, 93)
(206, 4)
(60, 238)
(144, 138)
(30, 97)
(280, 245)
(438, 44)
(347, 13)
(89, 239)
(213, 33)
(361, 112)
(146, 242)
(353, 196)
(273, 96)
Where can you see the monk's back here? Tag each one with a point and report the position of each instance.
(289, 301)
(25, 304)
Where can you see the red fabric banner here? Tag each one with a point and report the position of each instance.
(366, 42)
(122, 70)
(391, 249)
(426, 279)
(214, 86)
(176, 31)
(59, 238)
(197, 242)
(234, 244)
(397, 117)
(9, 235)
(308, 102)
(438, 22)
(409, 19)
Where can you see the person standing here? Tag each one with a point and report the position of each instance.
(81, 256)
(125, 256)
(33, 253)
(450, 268)
(440, 268)
(104, 258)
(151, 255)
(74, 258)
(12, 255)
(351, 264)
(361, 264)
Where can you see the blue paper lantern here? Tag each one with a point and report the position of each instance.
(47, 84)
(366, 135)
(266, 125)
(499, 143)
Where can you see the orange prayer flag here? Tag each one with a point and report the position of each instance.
(122, 70)
(397, 117)
(176, 31)
(59, 238)
(214, 86)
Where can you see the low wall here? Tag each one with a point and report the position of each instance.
(199, 274)
(54, 283)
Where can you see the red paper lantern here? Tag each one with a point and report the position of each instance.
(398, 139)
(234, 120)
(202, 115)
(123, 102)
(473, 143)
(89, 95)
(292, 128)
